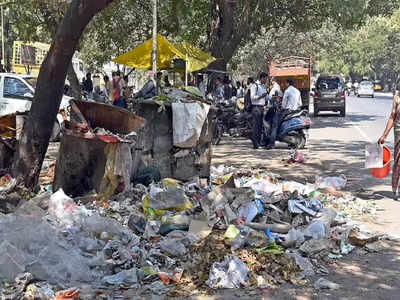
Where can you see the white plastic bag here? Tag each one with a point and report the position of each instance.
(232, 273)
(373, 156)
(187, 122)
(336, 183)
(65, 210)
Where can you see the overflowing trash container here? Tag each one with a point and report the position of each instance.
(99, 149)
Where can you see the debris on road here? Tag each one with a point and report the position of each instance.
(322, 283)
(245, 229)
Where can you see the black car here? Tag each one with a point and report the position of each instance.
(329, 95)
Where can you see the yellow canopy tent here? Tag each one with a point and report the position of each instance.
(140, 57)
(196, 58)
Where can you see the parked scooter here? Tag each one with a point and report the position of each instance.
(293, 129)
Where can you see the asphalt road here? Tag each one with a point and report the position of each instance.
(367, 115)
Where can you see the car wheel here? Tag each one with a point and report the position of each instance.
(56, 133)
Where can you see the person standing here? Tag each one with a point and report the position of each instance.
(292, 97)
(167, 84)
(394, 122)
(107, 88)
(291, 102)
(227, 89)
(258, 94)
(275, 89)
(117, 88)
(219, 90)
(201, 85)
(239, 90)
(88, 85)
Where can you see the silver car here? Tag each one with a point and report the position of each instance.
(366, 88)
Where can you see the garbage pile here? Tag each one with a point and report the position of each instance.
(246, 229)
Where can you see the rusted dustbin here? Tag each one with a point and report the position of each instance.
(158, 149)
(81, 160)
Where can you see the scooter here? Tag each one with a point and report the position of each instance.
(293, 129)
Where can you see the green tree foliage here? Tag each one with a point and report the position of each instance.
(372, 50)
(116, 30)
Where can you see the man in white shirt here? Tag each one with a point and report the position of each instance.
(276, 88)
(258, 96)
(291, 102)
(292, 97)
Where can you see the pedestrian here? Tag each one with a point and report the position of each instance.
(291, 102)
(227, 88)
(258, 94)
(167, 84)
(394, 122)
(117, 84)
(149, 89)
(108, 88)
(201, 85)
(88, 85)
(239, 90)
(125, 92)
(219, 90)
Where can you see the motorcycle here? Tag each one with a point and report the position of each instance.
(232, 120)
(293, 129)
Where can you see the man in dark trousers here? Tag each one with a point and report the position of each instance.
(258, 96)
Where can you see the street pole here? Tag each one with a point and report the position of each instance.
(3, 60)
(154, 52)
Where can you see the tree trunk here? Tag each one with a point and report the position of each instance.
(74, 85)
(226, 32)
(34, 142)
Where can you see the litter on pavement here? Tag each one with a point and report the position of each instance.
(245, 229)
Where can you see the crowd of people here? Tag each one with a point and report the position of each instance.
(114, 91)
(258, 94)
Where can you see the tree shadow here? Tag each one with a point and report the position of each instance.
(360, 276)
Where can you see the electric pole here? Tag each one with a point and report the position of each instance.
(154, 52)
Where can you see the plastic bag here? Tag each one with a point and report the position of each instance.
(294, 238)
(232, 273)
(316, 230)
(125, 277)
(64, 209)
(336, 183)
(187, 122)
(251, 210)
(373, 156)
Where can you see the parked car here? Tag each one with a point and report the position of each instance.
(366, 88)
(329, 94)
(16, 95)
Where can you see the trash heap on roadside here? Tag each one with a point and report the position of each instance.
(246, 229)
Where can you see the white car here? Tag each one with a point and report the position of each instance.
(16, 95)
(366, 88)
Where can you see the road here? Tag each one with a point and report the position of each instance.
(336, 147)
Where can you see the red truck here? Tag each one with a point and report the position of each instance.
(297, 68)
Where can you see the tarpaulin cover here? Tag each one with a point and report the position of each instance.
(140, 57)
(196, 58)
